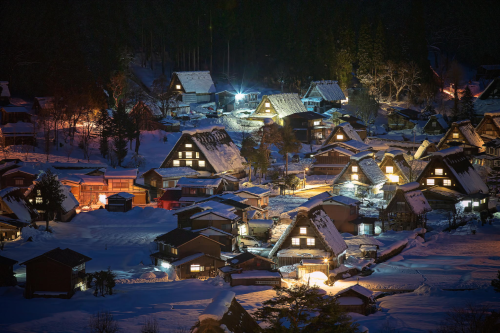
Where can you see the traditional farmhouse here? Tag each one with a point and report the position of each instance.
(399, 119)
(22, 177)
(308, 126)
(225, 314)
(227, 239)
(43, 104)
(425, 149)
(450, 177)
(331, 160)
(256, 196)
(356, 123)
(14, 114)
(260, 227)
(436, 125)
(20, 133)
(120, 202)
(323, 95)
(193, 87)
(4, 93)
(491, 156)
(488, 100)
(489, 126)
(7, 275)
(361, 174)
(344, 213)
(208, 150)
(64, 213)
(398, 170)
(312, 235)
(464, 135)
(229, 99)
(342, 133)
(277, 107)
(407, 209)
(356, 299)
(57, 273)
(192, 255)
(250, 269)
(14, 205)
(160, 178)
(196, 189)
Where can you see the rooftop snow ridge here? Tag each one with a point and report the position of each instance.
(203, 129)
(409, 187)
(448, 151)
(219, 306)
(361, 155)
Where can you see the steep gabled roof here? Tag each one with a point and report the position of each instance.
(178, 237)
(399, 160)
(66, 257)
(199, 182)
(343, 200)
(198, 82)
(13, 198)
(414, 198)
(286, 104)
(7, 261)
(328, 89)
(368, 167)
(468, 131)
(422, 150)
(175, 172)
(254, 190)
(349, 131)
(358, 289)
(308, 115)
(244, 257)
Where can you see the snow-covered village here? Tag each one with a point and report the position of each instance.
(249, 166)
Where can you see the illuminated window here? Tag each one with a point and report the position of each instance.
(268, 105)
(39, 200)
(340, 137)
(295, 241)
(389, 169)
(173, 250)
(268, 110)
(394, 178)
(316, 123)
(197, 155)
(446, 182)
(180, 154)
(196, 268)
(354, 169)
(19, 182)
(430, 181)
(303, 230)
(475, 204)
(38, 192)
(188, 145)
(201, 163)
(455, 135)
(439, 172)
(177, 163)
(354, 177)
(311, 241)
(189, 154)
(153, 183)
(178, 86)
(189, 163)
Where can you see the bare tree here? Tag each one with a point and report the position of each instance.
(366, 107)
(87, 133)
(473, 318)
(118, 86)
(150, 325)
(402, 76)
(165, 98)
(68, 149)
(102, 322)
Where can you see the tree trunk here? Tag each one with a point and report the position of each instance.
(250, 174)
(137, 144)
(286, 164)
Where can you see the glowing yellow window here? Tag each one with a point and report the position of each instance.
(340, 137)
(268, 110)
(430, 181)
(195, 268)
(354, 177)
(177, 163)
(188, 145)
(389, 169)
(178, 86)
(268, 105)
(455, 135)
(303, 230)
(311, 241)
(189, 163)
(189, 154)
(180, 154)
(201, 163)
(296, 241)
(354, 169)
(439, 172)
(446, 182)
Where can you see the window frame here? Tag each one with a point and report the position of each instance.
(311, 241)
(295, 241)
(440, 173)
(303, 230)
(430, 182)
(391, 168)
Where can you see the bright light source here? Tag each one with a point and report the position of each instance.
(394, 178)
(325, 260)
(239, 97)
(165, 264)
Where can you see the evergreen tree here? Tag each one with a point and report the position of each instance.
(378, 51)
(365, 50)
(50, 190)
(467, 104)
(104, 128)
(249, 152)
(121, 126)
(287, 143)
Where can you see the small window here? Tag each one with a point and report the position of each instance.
(455, 136)
(311, 241)
(178, 86)
(188, 145)
(268, 105)
(430, 181)
(180, 154)
(434, 124)
(303, 230)
(153, 183)
(189, 163)
(354, 169)
(340, 137)
(446, 182)
(39, 200)
(475, 204)
(268, 110)
(192, 191)
(197, 155)
(316, 123)
(195, 268)
(201, 163)
(189, 154)
(38, 192)
(165, 183)
(389, 169)
(296, 241)
(19, 182)
(177, 163)
(439, 172)
(354, 177)
(173, 250)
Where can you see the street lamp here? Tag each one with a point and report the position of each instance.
(306, 169)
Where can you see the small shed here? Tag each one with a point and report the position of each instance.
(7, 276)
(120, 202)
(356, 299)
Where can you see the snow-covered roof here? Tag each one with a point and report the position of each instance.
(357, 288)
(441, 121)
(260, 223)
(92, 180)
(330, 90)
(199, 182)
(255, 190)
(121, 174)
(123, 195)
(371, 170)
(222, 213)
(45, 102)
(208, 231)
(466, 128)
(362, 155)
(417, 202)
(25, 169)
(286, 104)
(69, 201)
(409, 187)
(4, 89)
(16, 128)
(175, 172)
(78, 165)
(15, 109)
(17, 203)
(187, 259)
(349, 131)
(218, 307)
(422, 149)
(447, 192)
(337, 149)
(198, 82)
(343, 200)
(359, 145)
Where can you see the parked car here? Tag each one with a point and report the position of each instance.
(248, 241)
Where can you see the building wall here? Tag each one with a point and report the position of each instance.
(488, 127)
(200, 244)
(389, 162)
(14, 117)
(176, 160)
(341, 215)
(443, 144)
(210, 266)
(47, 275)
(212, 221)
(256, 264)
(18, 179)
(256, 281)
(8, 232)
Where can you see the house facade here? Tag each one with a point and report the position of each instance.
(400, 119)
(342, 133)
(489, 126)
(120, 202)
(342, 211)
(464, 135)
(331, 160)
(13, 204)
(22, 177)
(193, 87)
(323, 95)
(308, 126)
(436, 125)
(277, 107)
(160, 178)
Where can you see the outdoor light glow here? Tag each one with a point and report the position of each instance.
(165, 265)
(393, 178)
(239, 97)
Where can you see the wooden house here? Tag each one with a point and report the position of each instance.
(342, 211)
(396, 168)
(308, 126)
(356, 299)
(323, 95)
(464, 135)
(488, 100)
(342, 133)
(225, 314)
(227, 239)
(195, 189)
(4, 93)
(436, 125)
(14, 114)
(229, 98)
(42, 104)
(450, 174)
(191, 254)
(311, 234)
(256, 196)
(170, 199)
(277, 107)
(65, 212)
(489, 126)
(208, 150)
(19, 133)
(250, 269)
(7, 276)
(361, 174)
(223, 219)
(56, 273)
(120, 202)
(491, 155)
(160, 178)
(10, 229)
(260, 227)
(425, 149)
(193, 87)
(356, 123)
(13, 204)
(22, 177)
(400, 119)
(331, 160)
(407, 209)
